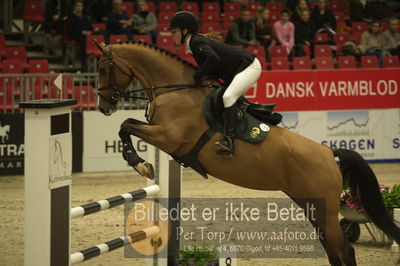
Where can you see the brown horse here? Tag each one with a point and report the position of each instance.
(285, 161)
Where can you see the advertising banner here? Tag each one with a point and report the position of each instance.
(328, 90)
(102, 150)
(11, 144)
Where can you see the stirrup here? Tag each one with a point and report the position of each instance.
(225, 145)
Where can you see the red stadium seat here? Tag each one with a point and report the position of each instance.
(33, 11)
(302, 62)
(356, 38)
(335, 6)
(324, 63)
(253, 6)
(17, 53)
(38, 83)
(152, 6)
(211, 7)
(163, 27)
(210, 17)
(322, 51)
(91, 48)
(191, 7)
(358, 27)
(321, 38)
(230, 7)
(165, 17)
(99, 27)
(231, 16)
(341, 38)
(278, 51)
(168, 7)
(165, 40)
(258, 51)
(116, 38)
(279, 63)
(85, 97)
(184, 54)
(38, 66)
(275, 6)
(391, 62)
(128, 8)
(12, 66)
(340, 17)
(210, 27)
(369, 61)
(263, 62)
(6, 94)
(274, 17)
(143, 38)
(346, 62)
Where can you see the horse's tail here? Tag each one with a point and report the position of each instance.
(362, 179)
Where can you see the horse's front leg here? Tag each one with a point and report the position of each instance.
(129, 153)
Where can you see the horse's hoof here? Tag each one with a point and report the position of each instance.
(145, 169)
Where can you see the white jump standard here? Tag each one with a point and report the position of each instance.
(112, 202)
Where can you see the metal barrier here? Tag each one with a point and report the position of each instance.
(15, 88)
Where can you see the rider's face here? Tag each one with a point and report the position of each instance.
(176, 34)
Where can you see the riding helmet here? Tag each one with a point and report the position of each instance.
(185, 20)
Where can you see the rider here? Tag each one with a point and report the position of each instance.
(237, 67)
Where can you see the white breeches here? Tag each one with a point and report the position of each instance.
(241, 83)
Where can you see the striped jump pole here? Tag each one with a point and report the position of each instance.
(112, 202)
(111, 245)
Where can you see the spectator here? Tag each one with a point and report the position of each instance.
(284, 31)
(79, 27)
(118, 20)
(302, 5)
(391, 37)
(378, 10)
(101, 9)
(357, 11)
(263, 30)
(323, 18)
(304, 33)
(55, 16)
(372, 42)
(145, 22)
(242, 31)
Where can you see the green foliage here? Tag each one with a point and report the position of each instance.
(198, 255)
(391, 197)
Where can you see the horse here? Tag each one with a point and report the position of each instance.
(4, 132)
(285, 161)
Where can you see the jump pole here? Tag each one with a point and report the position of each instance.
(48, 161)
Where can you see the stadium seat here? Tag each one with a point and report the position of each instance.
(302, 62)
(210, 27)
(191, 6)
(143, 38)
(17, 53)
(263, 62)
(163, 27)
(321, 38)
(231, 7)
(168, 7)
(6, 95)
(210, 17)
(165, 17)
(346, 62)
(356, 38)
(258, 51)
(38, 66)
(116, 38)
(324, 63)
(33, 11)
(278, 51)
(85, 97)
(165, 40)
(274, 17)
(253, 6)
(358, 27)
(369, 61)
(335, 6)
(231, 16)
(391, 61)
(128, 8)
(152, 6)
(210, 7)
(91, 48)
(341, 38)
(279, 63)
(340, 18)
(322, 51)
(12, 66)
(99, 27)
(275, 6)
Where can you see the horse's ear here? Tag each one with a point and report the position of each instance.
(101, 46)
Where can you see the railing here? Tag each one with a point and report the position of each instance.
(15, 88)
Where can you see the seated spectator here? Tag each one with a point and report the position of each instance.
(242, 31)
(304, 33)
(79, 27)
(284, 31)
(391, 37)
(372, 42)
(302, 5)
(144, 21)
(378, 10)
(101, 9)
(118, 20)
(55, 16)
(324, 19)
(357, 11)
(263, 30)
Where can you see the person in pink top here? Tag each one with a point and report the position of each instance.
(284, 31)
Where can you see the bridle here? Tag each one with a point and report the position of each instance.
(117, 94)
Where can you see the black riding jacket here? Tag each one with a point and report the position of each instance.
(218, 60)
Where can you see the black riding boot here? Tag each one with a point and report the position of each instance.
(225, 144)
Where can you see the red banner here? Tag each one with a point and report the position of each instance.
(328, 90)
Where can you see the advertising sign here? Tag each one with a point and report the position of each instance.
(11, 144)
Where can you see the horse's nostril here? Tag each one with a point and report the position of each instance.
(101, 109)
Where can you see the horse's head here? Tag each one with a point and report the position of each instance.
(114, 78)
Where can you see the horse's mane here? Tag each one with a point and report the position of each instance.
(160, 49)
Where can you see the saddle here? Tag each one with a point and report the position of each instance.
(255, 121)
